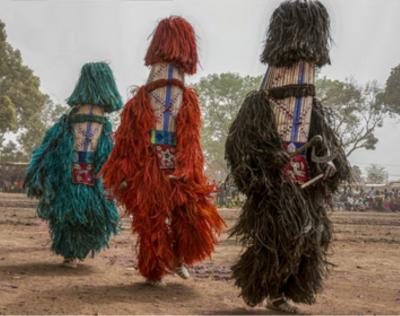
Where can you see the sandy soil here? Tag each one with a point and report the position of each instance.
(365, 280)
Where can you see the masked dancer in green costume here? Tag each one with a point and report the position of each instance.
(63, 171)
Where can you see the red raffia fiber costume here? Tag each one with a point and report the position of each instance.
(156, 167)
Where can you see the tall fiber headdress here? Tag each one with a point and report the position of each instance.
(299, 30)
(96, 86)
(174, 41)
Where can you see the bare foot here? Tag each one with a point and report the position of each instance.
(70, 263)
(182, 272)
(281, 304)
(153, 283)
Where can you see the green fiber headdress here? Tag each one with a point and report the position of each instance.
(96, 86)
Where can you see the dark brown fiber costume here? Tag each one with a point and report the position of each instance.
(285, 229)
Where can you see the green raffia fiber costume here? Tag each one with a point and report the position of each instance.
(63, 171)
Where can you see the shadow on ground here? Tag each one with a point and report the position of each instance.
(45, 269)
(129, 293)
(246, 311)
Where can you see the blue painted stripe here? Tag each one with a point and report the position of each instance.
(88, 133)
(167, 112)
(83, 157)
(163, 137)
(297, 109)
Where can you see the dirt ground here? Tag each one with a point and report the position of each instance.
(366, 279)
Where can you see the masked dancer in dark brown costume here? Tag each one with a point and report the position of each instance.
(287, 160)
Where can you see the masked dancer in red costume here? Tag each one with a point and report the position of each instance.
(156, 167)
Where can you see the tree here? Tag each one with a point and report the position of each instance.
(52, 112)
(391, 94)
(11, 152)
(376, 174)
(30, 139)
(221, 96)
(355, 111)
(356, 173)
(7, 115)
(21, 100)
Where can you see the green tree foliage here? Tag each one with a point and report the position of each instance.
(21, 100)
(52, 112)
(356, 111)
(221, 96)
(10, 152)
(356, 173)
(8, 116)
(376, 174)
(391, 94)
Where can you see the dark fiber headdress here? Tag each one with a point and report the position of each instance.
(174, 41)
(299, 31)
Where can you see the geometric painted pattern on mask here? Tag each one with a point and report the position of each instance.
(292, 114)
(166, 102)
(86, 138)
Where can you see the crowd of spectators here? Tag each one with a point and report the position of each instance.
(11, 186)
(227, 195)
(368, 198)
(349, 198)
(12, 178)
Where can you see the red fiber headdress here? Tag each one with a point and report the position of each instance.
(174, 41)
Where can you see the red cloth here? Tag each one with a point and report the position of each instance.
(83, 173)
(297, 169)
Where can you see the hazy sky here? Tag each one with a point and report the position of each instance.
(57, 36)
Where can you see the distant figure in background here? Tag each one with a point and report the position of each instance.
(221, 194)
(63, 171)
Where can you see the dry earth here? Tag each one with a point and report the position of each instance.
(365, 280)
